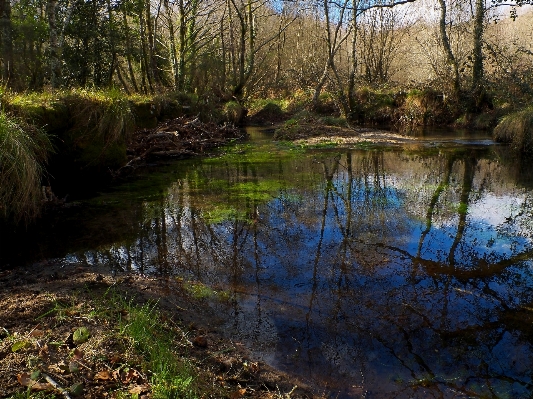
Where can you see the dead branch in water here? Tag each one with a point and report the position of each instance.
(177, 138)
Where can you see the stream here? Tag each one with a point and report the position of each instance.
(371, 271)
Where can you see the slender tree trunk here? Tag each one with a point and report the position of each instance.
(182, 46)
(152, 65)
(111, 33)
(6, 57)
(172, 45)
(145, 64)
(55, 62)
(127, 38)
(192, 43)
(448, 49)
(478, 89)
(352, 106)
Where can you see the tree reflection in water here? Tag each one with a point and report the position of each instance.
(381, 273)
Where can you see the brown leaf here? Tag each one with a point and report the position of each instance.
(103, 375)
(239, 393)
(36, 333)
(200, 341)
(129, 376)
(25, 380)
(115, 359)
(59, 368)
(43, 352)
(77, 354)
(139, 389)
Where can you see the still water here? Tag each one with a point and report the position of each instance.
(370, 272)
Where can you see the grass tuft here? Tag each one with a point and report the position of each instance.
(171, 378)
(24, 150)
(106, 113)
(516, 129)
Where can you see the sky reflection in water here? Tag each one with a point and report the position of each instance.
(381, 272)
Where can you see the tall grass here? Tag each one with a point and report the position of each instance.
(516, 129)
(105, 113)
(24, 150)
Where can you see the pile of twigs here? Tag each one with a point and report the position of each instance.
(178, 138)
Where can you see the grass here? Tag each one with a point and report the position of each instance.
(139, 334)
(517, 130)
(170, 377)
(24, 150)
(106, 113)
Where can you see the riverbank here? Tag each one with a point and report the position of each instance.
(46, 306)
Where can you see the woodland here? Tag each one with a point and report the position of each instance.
(78, 77)
(93, 90)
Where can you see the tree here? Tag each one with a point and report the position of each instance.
(6, 41)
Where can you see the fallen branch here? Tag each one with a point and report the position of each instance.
(56, 386)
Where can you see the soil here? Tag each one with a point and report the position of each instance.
(316, 133)
(43, 304)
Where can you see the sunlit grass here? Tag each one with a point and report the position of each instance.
(106, 113)
(171, 378)
(24, 150)
(516, 129)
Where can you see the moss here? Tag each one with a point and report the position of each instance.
(146, 114)
(422, 108)
(40, 109)
(267, 111)
(334, 121)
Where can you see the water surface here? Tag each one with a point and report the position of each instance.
(375, 272)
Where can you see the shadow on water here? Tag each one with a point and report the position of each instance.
(376, 273)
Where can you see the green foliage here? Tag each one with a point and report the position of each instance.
(24, 150)
(171, 378)
(516, 129)
(81, 335)
(233, 112)
(334, 121)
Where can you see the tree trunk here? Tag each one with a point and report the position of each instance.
(478, 88)
(182, 46)
(55, 62)
(6, 28)
(127, 38)
(448, 49)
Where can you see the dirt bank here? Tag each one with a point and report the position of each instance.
(42, 305)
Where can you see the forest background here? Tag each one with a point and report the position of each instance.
(107, 67)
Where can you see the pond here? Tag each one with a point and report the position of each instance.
(369, 271)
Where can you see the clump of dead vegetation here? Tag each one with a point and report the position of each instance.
(517, 130)
(178, 138)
